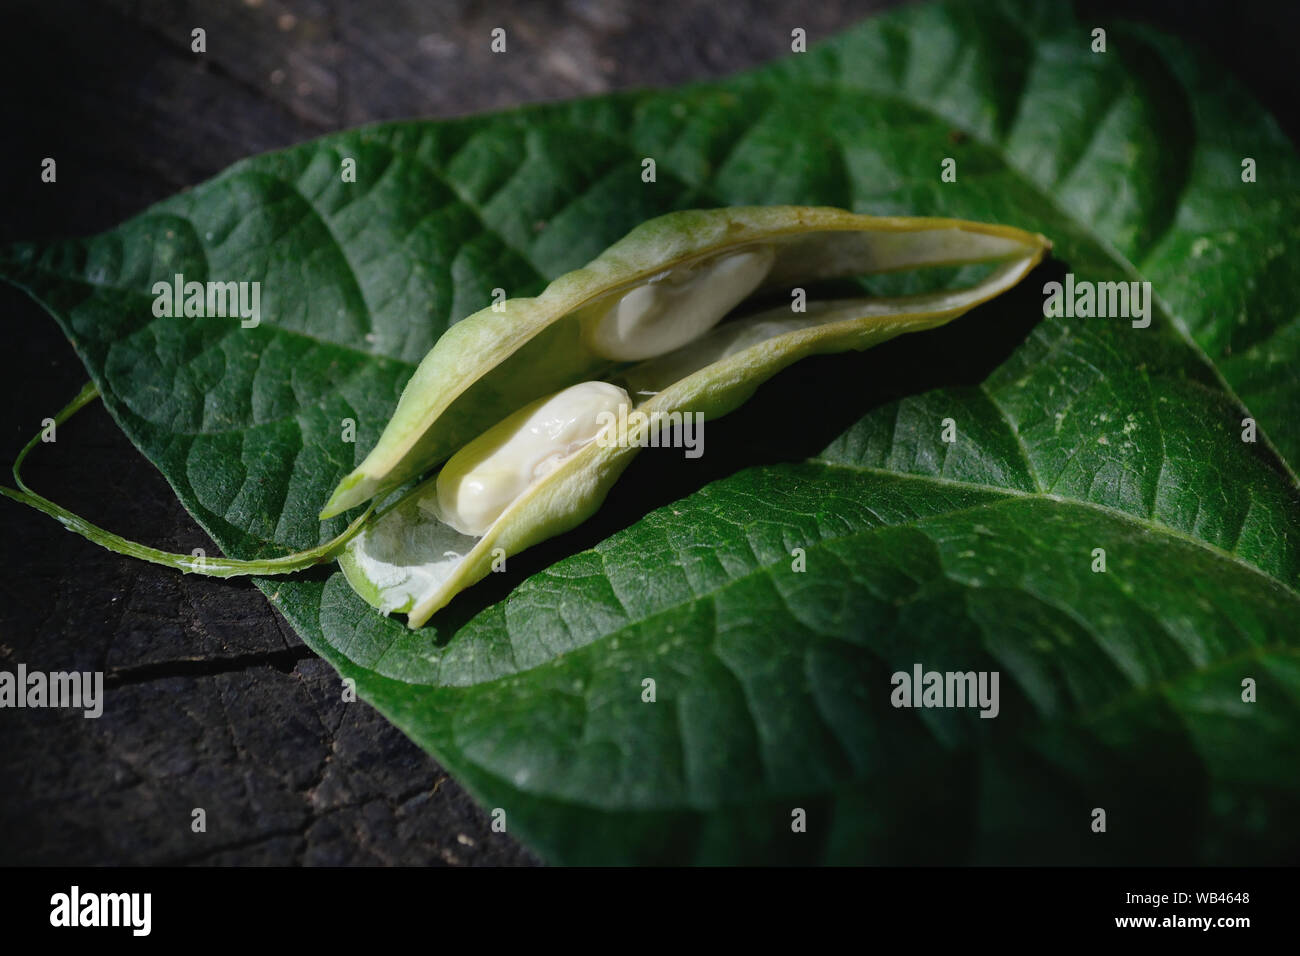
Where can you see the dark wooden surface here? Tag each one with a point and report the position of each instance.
(213, 700)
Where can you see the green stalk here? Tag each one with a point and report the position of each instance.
(211, 567)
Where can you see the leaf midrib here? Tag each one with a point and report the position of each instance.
(1290, 593)
(1146, 524)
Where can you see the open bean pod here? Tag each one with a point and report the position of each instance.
(527, 397)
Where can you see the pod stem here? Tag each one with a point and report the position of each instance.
(188, 563)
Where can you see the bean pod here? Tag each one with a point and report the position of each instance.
(522, 398)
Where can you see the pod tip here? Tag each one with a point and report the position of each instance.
(345, 496)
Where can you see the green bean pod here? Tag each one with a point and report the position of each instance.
(649, 315)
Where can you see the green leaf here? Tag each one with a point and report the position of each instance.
(1119, 690)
